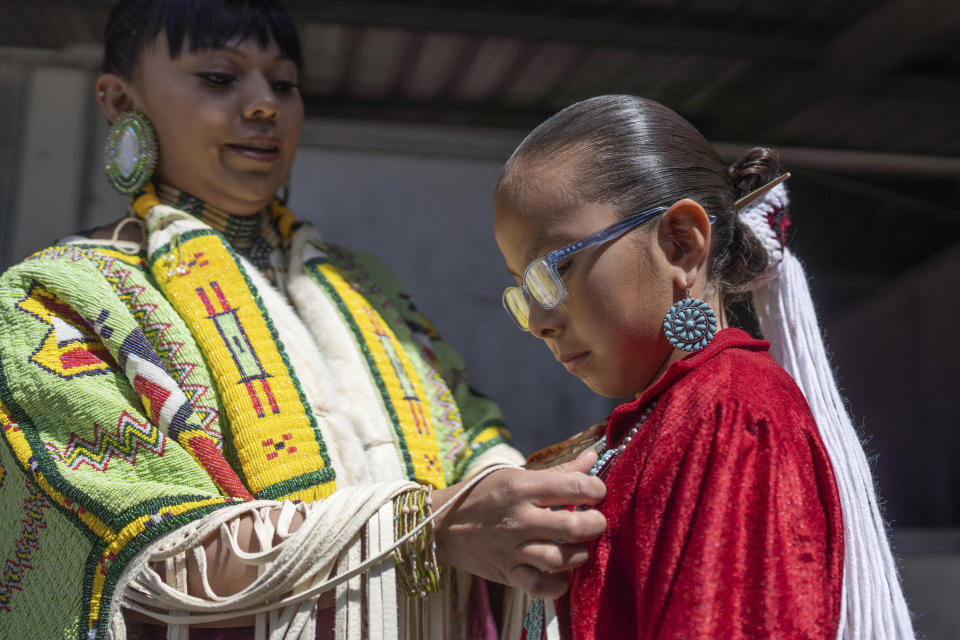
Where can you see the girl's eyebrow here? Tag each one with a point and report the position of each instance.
(545, 242)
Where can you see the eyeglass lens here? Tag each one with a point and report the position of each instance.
(544, 284)
(516, 304)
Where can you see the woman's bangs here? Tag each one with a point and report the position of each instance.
(215, 23)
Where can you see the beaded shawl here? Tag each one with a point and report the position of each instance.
(140, 393)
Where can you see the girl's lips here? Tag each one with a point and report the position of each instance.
(575, 360)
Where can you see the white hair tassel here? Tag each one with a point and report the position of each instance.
(872, 602)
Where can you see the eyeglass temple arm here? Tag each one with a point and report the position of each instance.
(604, 235)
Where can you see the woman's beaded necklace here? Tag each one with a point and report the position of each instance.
(255, 237)
(534, 621)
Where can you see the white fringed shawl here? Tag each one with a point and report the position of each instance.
(349, 533)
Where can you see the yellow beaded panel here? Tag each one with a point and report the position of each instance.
(276, 438)
(400, 386)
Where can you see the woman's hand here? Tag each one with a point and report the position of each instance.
(504, 530)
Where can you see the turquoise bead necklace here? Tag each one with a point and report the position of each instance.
(603, 463)
(534, 621)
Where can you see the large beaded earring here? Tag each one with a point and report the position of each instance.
(690, 324)
(130, 153)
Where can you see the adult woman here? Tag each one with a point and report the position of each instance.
(225, 417)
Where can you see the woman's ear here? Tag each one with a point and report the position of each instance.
(684, 238)
(114, 95)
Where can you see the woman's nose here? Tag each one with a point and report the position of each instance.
(262, 102)
(545, 323)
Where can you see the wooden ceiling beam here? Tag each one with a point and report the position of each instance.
(623, 32)
(616, 30)
(883, 40)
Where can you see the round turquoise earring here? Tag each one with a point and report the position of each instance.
(690, 324)
(130, 153)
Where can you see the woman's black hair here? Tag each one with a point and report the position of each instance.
(202, 24)
(637, 154)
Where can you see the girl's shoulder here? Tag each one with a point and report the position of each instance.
(741, 395)
(723, 391)
(737, 368)
(744, 374)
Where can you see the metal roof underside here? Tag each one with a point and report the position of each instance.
(848, 74)
(879, 77)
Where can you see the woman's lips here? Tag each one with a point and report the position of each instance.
(259, 152)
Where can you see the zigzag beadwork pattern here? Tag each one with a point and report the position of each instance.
(117, 269)
(18, 443)
(114, 547)
(11, 575)
(129, 437)
(165, 403)
(169, 350)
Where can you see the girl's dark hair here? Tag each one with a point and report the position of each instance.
(638, 154)
(204, 24)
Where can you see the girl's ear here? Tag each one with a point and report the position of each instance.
(683, 236)
(114, 95)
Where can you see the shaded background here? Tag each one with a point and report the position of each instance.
(413, 106)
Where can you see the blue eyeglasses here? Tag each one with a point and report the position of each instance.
(541, 281)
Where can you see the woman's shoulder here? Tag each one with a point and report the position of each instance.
(77, 270)
(362, 268)
(355, 259)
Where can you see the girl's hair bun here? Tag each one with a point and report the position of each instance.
(753, 169)
(745, 261)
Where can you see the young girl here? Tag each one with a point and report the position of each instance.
(739, 500)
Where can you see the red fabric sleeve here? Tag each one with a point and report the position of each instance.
(723, 516)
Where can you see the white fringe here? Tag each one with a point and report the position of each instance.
(872, 601)
(346, 535)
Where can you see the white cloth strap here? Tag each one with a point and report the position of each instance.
(322, 554)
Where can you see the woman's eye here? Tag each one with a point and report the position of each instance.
(284, 86)
(563, 268)
(217, 79)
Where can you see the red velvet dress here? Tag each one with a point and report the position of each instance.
(723, 519)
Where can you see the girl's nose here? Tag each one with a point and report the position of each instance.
(545, 323)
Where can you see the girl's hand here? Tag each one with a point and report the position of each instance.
(504, 530)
